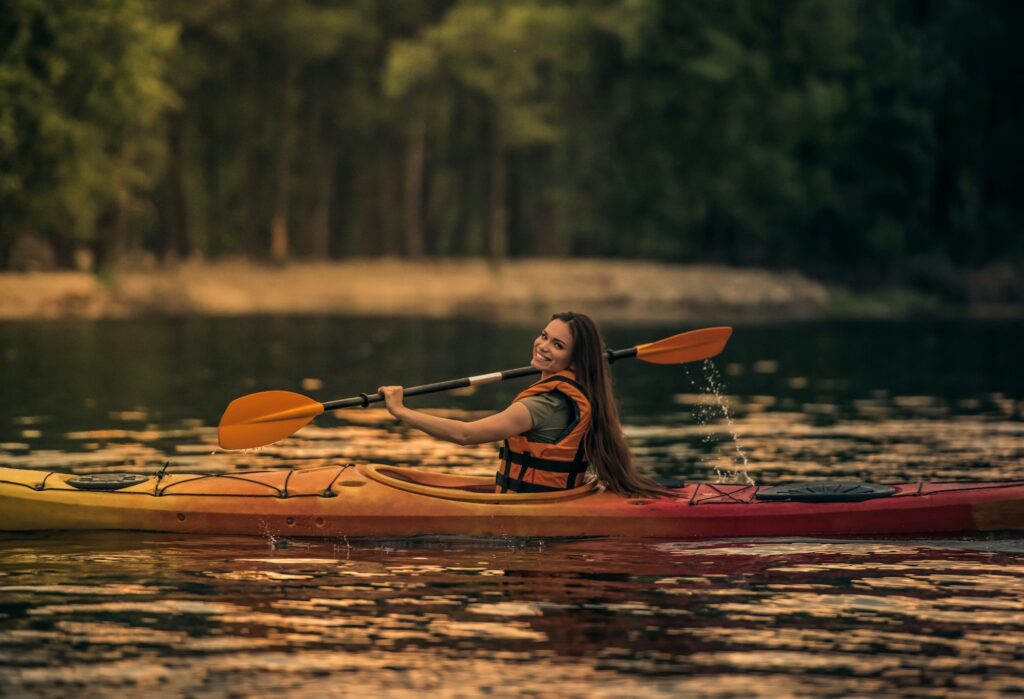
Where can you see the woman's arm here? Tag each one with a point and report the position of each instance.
(513, 420)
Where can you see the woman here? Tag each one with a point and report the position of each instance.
(557, 430)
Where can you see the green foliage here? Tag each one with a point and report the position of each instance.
(849, 138)
(81, 88)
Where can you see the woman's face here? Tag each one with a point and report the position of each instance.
(552, 350)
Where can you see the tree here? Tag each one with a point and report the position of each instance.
(81, 88)
(504, 59)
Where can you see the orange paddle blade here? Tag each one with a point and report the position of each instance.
(692, 346)
(263, 418)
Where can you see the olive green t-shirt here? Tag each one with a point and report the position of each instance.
(551, 413)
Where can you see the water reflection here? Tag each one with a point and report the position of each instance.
(200, 616)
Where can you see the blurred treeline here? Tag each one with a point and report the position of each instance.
(872, 139)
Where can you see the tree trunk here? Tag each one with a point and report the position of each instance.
(362, 213)
(443, 212)
(388, 201)
(497, 228)
(114, 226)
(254, 195)
(320, 217)
(322, 162)
(279, 222)
(413, 234)
(174, 215)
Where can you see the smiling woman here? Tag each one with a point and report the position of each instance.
(557, 433)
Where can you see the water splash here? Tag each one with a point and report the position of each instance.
(338, 548)
(711, 411)
(739, 476)
(273, 541)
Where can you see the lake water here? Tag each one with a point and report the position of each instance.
(166, 615)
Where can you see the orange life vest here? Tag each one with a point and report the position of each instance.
(536, 467)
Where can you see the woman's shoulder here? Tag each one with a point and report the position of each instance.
(545, 408)
(549, 402)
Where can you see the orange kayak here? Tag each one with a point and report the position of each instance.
(387, 501)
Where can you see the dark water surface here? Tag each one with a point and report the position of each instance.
(166, 615)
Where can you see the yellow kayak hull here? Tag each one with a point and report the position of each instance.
(386, 501)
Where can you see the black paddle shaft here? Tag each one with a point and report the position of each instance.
(365, 399)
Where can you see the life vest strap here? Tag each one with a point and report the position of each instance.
(565, 379)
(517, 486)
(574, 467)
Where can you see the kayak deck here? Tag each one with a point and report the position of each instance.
(368, 500)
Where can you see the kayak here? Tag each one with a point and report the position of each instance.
(367, 500)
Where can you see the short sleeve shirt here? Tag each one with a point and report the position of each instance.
(551, 413)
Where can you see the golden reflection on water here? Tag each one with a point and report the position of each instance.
(233, 616)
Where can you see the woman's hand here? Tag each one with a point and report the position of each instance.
(393, 398)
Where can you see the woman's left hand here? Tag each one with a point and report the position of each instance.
(392, 398)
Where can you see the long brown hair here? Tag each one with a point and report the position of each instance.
(605, 444)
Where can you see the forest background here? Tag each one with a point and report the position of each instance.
(853, 141)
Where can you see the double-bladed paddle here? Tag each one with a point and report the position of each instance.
(263, 418)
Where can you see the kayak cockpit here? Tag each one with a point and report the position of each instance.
(467, 488)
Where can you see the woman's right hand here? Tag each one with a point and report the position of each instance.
(393, 396)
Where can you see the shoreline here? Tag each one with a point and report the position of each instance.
(525, 290)
(512, 291)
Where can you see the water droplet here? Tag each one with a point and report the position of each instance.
(711, 410)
